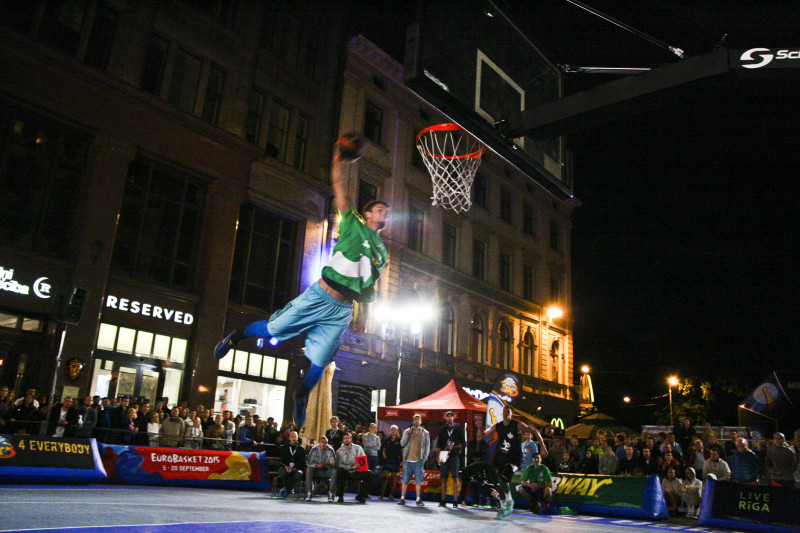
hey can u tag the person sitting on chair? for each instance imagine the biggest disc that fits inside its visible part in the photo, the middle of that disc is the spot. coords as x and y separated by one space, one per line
321 466
293 458
347 469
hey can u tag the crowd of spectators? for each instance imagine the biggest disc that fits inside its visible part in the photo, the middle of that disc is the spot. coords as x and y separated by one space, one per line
683 458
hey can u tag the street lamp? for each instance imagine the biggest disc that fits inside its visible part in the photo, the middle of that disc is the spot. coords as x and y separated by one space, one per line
410 315
672 381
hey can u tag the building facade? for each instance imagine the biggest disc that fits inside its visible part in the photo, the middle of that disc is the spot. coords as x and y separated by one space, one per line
172 158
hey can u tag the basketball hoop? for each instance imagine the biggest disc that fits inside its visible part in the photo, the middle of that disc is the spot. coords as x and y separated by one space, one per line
452 156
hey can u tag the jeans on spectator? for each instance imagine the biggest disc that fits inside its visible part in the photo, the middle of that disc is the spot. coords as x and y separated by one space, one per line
289 478
343 476
320 474
372 462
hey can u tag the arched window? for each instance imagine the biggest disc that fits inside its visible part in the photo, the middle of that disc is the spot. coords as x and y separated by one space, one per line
554 350
477 339
446 330
526 363
503 358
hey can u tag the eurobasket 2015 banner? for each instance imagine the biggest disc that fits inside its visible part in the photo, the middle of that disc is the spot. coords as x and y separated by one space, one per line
173 466
31 458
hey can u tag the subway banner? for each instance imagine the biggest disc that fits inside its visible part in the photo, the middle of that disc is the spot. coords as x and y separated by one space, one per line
623 496
750 507
35 459
141 465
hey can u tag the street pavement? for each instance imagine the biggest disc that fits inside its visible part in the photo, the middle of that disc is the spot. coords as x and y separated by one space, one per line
112 509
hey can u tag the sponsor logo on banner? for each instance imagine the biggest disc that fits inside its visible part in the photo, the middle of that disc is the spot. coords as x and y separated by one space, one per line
41 287
177 464
146 309
508 384
47 452
392 412
761 57
6 448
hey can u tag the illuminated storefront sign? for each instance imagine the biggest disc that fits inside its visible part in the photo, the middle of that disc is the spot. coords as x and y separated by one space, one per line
142 308
40 288
482 395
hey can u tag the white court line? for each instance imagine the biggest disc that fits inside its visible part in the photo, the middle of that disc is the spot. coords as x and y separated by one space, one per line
16 502
170 524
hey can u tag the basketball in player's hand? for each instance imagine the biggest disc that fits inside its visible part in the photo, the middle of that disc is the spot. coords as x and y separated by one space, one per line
350 146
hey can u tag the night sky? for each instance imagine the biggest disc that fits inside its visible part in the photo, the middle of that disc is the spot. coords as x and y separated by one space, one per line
685 249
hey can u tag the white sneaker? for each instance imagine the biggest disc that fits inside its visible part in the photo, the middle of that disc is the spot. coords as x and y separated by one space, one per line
420 503
308 497
330 497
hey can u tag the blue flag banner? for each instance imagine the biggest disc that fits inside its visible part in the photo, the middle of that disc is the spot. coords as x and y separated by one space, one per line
494 414
769 398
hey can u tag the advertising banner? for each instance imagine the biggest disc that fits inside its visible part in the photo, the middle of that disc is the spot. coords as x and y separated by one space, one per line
753 507
623 496
141 465
31 458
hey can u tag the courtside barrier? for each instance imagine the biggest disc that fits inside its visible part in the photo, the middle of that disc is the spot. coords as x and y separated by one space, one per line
621 496
35 459
750 507
143 465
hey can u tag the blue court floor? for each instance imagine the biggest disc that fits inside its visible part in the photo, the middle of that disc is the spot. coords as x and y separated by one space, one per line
114 509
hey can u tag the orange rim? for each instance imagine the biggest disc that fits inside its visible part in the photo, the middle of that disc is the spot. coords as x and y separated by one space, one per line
449 126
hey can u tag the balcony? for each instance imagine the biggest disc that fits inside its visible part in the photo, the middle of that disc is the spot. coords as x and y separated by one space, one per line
369 345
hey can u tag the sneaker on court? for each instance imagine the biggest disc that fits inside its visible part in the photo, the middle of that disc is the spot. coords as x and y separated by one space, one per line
300 409
442 504
308 497
420 503
340 500
283 493
225 345
401 501
330 497
455 505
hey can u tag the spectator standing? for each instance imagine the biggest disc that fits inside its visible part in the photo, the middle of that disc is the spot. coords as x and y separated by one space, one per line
26 416
247 435
193 437
730 447
745 465
293 460
630 463
19 401
153 428
372 446
648 463
118 415
214 438
321 466
684 433
391 457
62 420
781 461
128 428
347 469
529 447
416 444
103 420
595 447
450 440
716 466
608 464
677 452
334 434
6 405
697 456
87 419
172 430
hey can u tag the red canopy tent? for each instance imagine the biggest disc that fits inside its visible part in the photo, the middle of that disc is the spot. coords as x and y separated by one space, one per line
451 397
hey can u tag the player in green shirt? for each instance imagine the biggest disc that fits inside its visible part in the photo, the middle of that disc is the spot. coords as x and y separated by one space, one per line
325 309
537 484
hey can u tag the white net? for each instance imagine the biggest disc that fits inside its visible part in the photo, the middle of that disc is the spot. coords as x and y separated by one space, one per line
452 156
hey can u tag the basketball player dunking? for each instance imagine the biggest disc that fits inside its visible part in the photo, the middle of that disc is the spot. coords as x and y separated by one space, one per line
325 309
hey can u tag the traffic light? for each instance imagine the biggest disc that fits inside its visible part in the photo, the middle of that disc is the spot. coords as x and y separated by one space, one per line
69 303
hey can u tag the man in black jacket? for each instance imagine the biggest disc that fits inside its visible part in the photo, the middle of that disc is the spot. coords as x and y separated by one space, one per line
293 458
62 419
451 439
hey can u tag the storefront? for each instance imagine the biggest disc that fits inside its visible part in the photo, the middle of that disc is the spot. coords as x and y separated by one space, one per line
142 344
26 330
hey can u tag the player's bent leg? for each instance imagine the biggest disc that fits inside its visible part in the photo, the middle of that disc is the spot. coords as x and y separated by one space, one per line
225 345
313 376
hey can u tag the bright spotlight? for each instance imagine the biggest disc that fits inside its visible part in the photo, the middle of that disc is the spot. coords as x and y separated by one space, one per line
273 341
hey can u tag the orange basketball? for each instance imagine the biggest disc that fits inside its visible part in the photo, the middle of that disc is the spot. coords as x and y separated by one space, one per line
350 146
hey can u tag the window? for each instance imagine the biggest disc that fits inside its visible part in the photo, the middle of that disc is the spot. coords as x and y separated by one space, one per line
505 272
278 132
416 219
478 261
479 190
527 219
255 364
141 343
159 224
255 108
101 37
527 282
503 347
42 163
505 205
477 340
185 81
526 363
448 245
264 259
555 290
367 193
213 98
300 143
554 353
61 24
373 123
554 239
446 330
155 61
13 321
378 400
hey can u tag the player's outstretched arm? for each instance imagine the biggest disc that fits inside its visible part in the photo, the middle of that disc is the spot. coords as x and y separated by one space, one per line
341 201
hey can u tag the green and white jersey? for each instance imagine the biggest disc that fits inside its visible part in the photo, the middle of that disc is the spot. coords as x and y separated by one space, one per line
539 476
357 257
